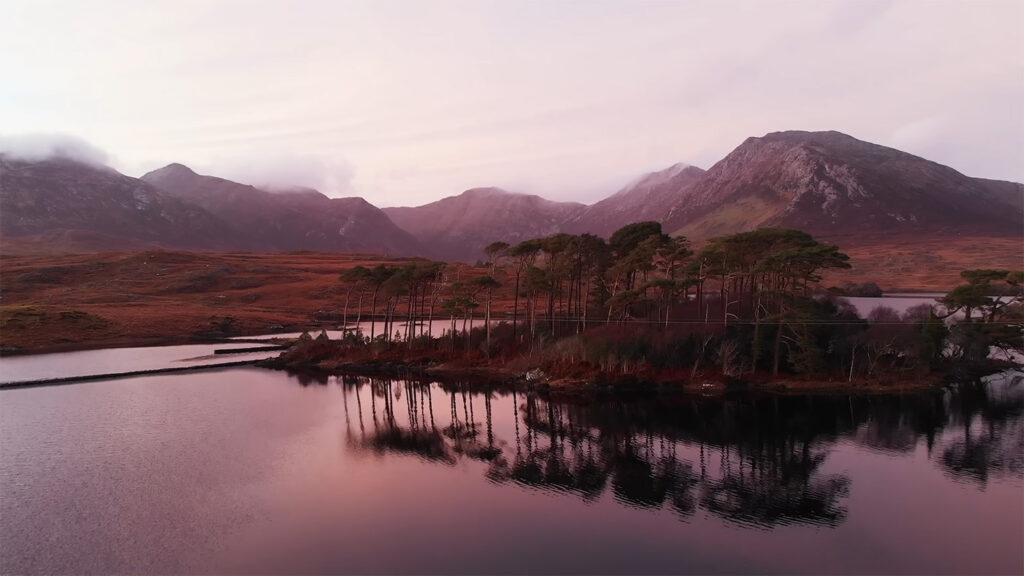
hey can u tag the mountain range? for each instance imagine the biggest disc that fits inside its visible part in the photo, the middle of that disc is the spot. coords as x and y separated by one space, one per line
830 184
261 221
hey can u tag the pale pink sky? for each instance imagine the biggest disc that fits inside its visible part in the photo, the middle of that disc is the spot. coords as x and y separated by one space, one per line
406 102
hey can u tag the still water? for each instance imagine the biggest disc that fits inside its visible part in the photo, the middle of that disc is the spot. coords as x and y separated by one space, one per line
249 470
435 328
106 361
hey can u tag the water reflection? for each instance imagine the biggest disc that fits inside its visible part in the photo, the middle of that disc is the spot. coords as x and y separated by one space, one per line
987 436
750 460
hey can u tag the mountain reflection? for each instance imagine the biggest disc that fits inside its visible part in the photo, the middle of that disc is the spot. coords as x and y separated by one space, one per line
752 460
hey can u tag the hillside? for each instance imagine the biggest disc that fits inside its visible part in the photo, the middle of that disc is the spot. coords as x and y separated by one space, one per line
830 184
840 188
262 221
81 206
458 228
649 198
63 205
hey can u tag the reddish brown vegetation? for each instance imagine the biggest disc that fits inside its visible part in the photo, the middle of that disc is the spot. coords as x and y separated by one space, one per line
930 263
125 298
94 300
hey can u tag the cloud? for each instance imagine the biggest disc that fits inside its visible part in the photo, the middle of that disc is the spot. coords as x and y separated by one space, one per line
428 100
36 147
278 171
921 133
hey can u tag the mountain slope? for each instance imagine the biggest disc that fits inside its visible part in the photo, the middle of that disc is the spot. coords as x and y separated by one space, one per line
649 198
299 220
459 227
835 186
98 208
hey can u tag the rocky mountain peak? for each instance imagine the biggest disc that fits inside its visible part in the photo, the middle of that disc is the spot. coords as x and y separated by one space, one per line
830 183
176 168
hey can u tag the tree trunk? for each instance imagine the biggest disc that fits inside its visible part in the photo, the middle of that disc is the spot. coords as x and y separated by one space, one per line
515 308
757 337
778 347
487 321
344 314
359 308
586 298
453 331
373 315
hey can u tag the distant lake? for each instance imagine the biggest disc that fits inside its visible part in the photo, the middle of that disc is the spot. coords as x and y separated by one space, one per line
440 325
898 302
250 470
436 328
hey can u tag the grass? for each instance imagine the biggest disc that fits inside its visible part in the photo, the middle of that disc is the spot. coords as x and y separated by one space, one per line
101 299
113 298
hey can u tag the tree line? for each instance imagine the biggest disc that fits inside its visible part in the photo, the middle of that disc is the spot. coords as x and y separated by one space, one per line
742 303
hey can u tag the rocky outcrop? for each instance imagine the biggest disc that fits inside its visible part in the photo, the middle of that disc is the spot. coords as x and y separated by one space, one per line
834 186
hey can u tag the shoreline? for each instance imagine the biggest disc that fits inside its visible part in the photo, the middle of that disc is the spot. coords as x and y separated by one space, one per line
603 386
579 389
63 380
145 342
595 384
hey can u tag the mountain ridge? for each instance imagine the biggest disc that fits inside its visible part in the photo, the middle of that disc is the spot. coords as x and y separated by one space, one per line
288 221
643 199
459 227
829 184
63 196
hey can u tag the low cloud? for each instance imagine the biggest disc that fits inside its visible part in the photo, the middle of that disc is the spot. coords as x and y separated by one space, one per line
284 172
36 147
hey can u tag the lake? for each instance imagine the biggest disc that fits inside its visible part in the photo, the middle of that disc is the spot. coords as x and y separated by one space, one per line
34 367
248 470
435 328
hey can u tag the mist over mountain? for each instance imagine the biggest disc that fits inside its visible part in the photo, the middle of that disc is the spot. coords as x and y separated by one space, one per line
648 198
299 219
38 147
86 206
829 184
77 206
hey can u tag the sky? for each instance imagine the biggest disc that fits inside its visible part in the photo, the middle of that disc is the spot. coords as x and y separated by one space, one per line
405 102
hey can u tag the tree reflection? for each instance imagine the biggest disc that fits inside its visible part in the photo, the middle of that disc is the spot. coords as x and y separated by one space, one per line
779 487
989 436
415 433
749 459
